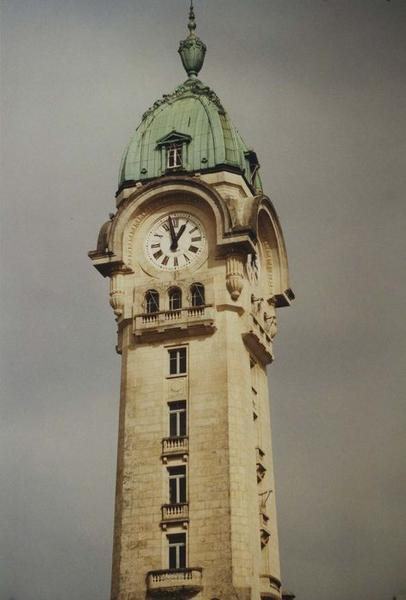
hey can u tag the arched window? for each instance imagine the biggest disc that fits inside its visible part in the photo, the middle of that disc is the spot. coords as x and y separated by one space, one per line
175 298
151 301
197 290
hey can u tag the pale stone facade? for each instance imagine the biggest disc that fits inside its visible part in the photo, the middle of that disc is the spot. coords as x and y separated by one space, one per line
217 539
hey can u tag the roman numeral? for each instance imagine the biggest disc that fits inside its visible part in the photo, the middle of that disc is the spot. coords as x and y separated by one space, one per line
194 229
196 239
175 221
155 245
193 249
157 254
157 235
187 259
165 260
175 261
165 226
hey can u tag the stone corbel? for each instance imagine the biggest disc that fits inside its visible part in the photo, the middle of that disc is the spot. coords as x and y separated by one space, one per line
235 274
117 293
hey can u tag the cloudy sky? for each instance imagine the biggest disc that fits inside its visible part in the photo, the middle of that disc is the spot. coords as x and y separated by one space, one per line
318 88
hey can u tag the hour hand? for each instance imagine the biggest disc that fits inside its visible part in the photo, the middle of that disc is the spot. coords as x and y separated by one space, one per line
181 230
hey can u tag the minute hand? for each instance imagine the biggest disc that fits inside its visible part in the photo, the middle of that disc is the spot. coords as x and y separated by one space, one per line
174 243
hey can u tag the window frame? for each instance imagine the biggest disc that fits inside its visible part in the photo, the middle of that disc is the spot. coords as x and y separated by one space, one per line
177 485
175 297
179 359
177 542
178 410
174 155
151 298
196 290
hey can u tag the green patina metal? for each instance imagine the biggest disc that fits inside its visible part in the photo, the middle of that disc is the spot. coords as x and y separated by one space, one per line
192 116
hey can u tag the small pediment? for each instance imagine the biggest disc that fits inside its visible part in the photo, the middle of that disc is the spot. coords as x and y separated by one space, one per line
174 137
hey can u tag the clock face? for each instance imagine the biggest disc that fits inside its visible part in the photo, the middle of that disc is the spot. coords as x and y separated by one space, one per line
175 241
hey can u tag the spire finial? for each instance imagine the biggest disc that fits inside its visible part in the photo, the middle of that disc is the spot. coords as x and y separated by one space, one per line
192 49
192 19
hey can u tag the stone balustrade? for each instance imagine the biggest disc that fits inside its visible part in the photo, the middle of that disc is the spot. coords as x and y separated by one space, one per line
175 512
175 445
167 581
270 587
197 316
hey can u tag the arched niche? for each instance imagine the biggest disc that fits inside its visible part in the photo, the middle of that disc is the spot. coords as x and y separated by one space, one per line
274 257
141 205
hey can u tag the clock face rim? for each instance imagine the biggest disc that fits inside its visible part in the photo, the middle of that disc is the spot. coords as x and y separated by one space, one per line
194 260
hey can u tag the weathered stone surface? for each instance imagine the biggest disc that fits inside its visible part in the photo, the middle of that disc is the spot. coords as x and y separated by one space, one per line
230 518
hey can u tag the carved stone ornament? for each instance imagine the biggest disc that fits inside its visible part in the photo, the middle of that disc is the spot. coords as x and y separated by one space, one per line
235 275
271 326
117 293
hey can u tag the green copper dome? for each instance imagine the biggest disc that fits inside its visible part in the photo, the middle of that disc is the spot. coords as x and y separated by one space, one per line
187 131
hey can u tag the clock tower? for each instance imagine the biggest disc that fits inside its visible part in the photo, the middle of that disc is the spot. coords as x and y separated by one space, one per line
197 268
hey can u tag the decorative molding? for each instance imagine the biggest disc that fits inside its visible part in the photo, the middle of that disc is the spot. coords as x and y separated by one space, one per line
235 274
267 250
131 232
117 293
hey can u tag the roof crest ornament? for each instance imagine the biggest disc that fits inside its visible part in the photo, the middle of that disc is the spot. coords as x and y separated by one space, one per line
191 87
192 50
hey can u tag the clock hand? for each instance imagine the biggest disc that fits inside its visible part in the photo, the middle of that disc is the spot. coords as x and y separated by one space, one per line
174 243
181 230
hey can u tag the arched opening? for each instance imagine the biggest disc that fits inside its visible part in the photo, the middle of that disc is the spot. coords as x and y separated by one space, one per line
198 296
175 298
151 302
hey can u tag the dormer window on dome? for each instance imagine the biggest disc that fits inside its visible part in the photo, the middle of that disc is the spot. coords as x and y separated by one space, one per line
173 148
174 156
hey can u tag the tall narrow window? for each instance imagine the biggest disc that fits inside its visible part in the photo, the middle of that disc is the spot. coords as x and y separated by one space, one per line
197 290
177 550
174 156
177 485
175 298
177 361
152 301
177 419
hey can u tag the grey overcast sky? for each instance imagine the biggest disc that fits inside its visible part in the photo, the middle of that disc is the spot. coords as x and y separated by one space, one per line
318 88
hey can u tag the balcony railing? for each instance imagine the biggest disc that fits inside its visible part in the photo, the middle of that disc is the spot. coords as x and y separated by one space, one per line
175 445
165 319
175 512
173 581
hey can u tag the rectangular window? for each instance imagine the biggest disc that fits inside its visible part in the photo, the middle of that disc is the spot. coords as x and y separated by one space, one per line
177 550
177 361
174 156
177 485
177 419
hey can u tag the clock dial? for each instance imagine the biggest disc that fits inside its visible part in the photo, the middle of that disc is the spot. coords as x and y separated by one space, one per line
175 241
